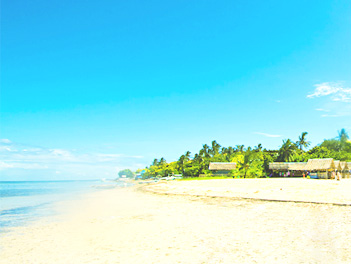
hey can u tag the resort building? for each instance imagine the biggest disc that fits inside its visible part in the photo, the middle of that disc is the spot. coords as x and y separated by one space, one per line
221 168
319 168
323 168
295 168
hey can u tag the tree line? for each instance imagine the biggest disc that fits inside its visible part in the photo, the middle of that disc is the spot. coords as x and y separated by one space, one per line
251 162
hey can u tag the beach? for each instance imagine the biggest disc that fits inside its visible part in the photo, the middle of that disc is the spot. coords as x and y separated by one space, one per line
212 221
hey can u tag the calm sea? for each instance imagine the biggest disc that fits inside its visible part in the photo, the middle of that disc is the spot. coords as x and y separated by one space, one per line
24 201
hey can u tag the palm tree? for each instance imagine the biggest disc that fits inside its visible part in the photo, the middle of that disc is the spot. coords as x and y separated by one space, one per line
205 151
249 157
205 148
239 148
229 151
343 136
286 151
162 161
302 143
259 147
181 163
215 148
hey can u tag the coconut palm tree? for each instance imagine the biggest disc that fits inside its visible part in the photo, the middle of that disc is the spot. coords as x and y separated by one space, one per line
215 148
181 163
343 136
286 151
205 148
302 142
239 148
258 147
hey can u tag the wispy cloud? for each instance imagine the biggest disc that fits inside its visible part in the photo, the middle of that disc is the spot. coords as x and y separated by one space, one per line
331 115
336 91
336 99
70 163
267 135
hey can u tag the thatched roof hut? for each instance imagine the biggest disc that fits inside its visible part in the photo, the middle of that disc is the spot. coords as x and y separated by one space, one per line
279 166
288 166
222 166
297 166
320 165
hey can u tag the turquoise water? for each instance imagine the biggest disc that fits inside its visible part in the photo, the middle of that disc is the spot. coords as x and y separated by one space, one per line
24 201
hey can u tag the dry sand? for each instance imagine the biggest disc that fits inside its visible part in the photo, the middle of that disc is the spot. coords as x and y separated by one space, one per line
134 226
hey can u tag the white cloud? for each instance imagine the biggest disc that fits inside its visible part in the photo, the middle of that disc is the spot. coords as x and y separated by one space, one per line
5 140
336 91
337 99
331 115
267 135
63 162
4 165
7 149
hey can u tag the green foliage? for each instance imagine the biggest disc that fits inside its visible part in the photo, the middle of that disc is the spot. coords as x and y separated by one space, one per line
268 157
251 162
287 151
332 144
128 173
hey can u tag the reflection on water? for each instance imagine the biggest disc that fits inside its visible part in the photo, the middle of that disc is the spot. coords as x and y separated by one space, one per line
25 201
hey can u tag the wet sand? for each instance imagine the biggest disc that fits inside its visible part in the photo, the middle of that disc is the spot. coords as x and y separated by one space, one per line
135 225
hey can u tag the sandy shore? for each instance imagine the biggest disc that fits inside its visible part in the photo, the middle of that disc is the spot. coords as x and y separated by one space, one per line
276 189
133 226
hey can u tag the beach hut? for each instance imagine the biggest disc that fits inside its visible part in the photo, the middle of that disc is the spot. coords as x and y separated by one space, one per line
323 167
221 168
296 168
279 166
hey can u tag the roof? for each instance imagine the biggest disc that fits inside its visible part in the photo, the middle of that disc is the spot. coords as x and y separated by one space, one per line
222 166
295 166
320 164
279 165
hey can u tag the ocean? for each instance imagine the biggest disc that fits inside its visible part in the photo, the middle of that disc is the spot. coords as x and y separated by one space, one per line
22 202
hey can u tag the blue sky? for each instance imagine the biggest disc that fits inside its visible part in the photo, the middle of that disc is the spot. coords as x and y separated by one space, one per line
90 88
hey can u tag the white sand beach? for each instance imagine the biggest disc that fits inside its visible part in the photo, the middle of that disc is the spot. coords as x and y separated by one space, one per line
138 226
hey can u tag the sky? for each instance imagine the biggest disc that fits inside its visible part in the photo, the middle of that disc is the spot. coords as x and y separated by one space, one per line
89 88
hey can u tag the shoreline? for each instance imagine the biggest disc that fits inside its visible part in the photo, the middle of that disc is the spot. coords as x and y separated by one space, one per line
131 225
